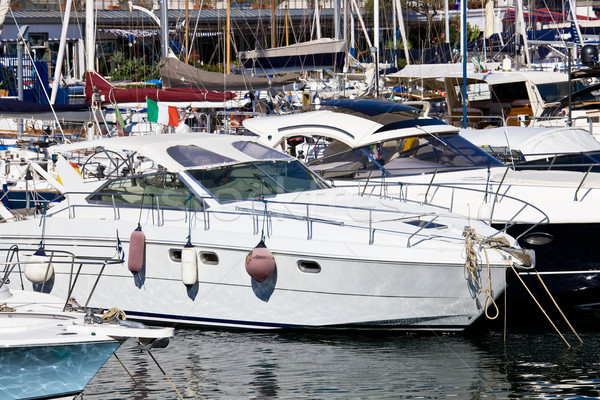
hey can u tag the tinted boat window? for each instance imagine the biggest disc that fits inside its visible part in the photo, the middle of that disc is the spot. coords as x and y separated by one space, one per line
166 190
260 152
257 179
404 156
194 156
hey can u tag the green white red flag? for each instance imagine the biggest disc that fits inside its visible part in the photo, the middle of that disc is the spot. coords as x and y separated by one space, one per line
162 113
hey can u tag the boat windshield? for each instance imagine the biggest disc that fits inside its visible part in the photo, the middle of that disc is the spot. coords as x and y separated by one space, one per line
403 156
255 180
164 190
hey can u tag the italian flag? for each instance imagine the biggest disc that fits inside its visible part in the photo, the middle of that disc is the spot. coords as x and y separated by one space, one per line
162 113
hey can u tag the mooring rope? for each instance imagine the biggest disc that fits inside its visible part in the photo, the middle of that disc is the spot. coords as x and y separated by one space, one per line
473 262
5 308
113 313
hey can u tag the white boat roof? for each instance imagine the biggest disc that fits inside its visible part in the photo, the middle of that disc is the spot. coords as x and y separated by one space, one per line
492 77
178 152
350 128
534 143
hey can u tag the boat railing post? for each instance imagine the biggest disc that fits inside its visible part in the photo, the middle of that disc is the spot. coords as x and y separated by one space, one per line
371 230
308 225
71 213
582 181
158 223
254 220
95 284
500 185
205 214
429 186
10 266
115 213
72 285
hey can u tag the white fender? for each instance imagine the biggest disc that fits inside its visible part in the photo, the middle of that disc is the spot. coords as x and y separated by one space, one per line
39 269
189 265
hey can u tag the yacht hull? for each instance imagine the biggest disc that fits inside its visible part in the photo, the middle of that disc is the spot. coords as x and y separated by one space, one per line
318 283
51 371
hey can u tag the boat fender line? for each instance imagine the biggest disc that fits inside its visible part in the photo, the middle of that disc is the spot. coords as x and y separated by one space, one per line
189 265
39 267
137 250
260 262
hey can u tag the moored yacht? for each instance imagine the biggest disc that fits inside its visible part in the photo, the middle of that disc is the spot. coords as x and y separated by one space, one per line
387 149
221 230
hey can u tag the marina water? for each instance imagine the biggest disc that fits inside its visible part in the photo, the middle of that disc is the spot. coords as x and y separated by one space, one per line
254 365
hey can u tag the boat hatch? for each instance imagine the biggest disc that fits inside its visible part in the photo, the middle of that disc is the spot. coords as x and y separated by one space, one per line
426 224
193 156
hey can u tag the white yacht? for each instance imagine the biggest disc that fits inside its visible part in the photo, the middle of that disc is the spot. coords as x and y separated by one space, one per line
193 212
387 149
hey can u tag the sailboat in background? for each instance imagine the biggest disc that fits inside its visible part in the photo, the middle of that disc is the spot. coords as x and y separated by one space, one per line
107 93
314 55
177 74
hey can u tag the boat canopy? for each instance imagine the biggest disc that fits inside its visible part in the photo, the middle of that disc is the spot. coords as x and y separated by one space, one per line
179 152
492 76
535 143
354 122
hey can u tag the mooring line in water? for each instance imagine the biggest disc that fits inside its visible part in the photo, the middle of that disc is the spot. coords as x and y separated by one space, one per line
125 368
557 307
539 305
164 373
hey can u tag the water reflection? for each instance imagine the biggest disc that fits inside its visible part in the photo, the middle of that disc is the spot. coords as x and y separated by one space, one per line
213 364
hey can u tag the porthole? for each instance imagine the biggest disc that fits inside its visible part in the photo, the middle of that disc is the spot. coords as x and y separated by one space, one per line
538 238
209 258
175 255
310 267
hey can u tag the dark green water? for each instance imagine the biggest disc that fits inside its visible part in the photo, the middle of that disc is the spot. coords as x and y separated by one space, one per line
250 365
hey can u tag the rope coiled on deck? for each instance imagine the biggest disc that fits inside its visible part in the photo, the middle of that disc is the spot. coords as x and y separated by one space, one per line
113 314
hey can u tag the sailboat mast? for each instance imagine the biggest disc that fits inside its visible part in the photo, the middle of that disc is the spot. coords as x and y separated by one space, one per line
90 40
164 27
227 48
61 52
317 19
273 20
187 6
402 30
446 22
463 36
336 19
376 44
